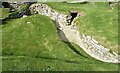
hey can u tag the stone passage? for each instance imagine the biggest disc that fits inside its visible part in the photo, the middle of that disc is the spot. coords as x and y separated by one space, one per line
71 32
71 17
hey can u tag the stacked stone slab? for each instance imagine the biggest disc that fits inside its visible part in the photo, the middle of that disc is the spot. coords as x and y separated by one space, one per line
47 11
101 52
88 44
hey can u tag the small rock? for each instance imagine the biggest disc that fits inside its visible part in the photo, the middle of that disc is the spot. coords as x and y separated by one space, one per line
88 37
60 29
24 16
83 35
28 22
115 53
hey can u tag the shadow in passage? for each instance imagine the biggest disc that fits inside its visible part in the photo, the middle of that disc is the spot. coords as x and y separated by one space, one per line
60 32
65 40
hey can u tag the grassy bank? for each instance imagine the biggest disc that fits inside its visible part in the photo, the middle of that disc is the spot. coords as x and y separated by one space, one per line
4 13
32 43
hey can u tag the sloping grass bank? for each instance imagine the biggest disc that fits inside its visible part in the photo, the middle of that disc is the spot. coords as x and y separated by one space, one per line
4 13
32 43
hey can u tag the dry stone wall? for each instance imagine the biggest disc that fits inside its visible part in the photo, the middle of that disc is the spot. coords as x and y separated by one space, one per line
88 44
99 51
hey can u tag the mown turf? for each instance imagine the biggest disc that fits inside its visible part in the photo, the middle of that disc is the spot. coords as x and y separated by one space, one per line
22 63
37 46
4 13
98 20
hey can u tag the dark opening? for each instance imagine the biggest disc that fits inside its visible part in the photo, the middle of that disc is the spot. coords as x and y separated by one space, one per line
5 4
73 14
85 2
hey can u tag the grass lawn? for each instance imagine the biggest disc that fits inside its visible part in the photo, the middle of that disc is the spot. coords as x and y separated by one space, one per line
99 21
32 43
4 13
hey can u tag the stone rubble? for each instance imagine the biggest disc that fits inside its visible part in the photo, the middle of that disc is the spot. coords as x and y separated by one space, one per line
87 43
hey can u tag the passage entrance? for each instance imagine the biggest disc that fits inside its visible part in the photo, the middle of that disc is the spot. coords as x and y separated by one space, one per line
73 14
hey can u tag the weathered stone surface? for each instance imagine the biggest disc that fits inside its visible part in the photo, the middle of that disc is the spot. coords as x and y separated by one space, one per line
94 41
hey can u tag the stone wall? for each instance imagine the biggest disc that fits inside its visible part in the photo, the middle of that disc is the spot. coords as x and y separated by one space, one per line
98 50
47 11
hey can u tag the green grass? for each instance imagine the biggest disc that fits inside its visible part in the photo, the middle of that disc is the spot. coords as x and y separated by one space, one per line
22 63
4 13
101 24
37 46
99 21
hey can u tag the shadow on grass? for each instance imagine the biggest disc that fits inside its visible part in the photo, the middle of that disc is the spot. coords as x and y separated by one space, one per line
74 49
67 61
4 21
